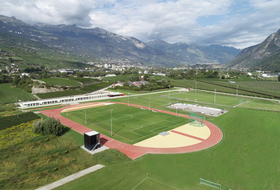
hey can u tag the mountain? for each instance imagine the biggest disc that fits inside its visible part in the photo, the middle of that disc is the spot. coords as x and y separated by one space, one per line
94 43
197 54
104 45
28 53
265 56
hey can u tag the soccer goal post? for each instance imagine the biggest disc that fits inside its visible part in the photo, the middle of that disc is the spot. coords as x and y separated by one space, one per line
210 183
196 120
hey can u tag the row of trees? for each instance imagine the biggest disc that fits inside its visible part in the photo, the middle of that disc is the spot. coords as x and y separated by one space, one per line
193 74
152 85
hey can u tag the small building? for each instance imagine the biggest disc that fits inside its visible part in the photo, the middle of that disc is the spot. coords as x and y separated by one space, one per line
25 74
92 140
110 75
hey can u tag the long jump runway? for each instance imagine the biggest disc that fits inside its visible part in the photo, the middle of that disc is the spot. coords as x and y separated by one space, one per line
183 139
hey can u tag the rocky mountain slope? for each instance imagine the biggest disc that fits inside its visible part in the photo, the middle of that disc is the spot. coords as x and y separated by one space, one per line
197 54
263 56
104 45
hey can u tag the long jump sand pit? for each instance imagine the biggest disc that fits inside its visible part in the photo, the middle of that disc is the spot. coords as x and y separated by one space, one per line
185 135
87 105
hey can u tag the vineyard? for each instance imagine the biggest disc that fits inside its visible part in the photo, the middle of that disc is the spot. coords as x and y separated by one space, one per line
264 89
61 81
267 89
84 90
9 94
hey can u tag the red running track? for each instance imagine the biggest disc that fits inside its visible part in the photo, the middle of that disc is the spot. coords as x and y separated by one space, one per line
133 151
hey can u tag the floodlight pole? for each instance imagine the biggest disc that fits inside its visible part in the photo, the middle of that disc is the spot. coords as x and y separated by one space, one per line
17 106
128 99
195 87
176 111
66 111
149 100
236 91
169 91
215 97
85 115
111 121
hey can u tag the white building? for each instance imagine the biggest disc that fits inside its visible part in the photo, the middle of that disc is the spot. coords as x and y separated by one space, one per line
25 74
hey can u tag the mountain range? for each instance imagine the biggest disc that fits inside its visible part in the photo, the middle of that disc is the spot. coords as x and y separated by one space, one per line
263 56
104 45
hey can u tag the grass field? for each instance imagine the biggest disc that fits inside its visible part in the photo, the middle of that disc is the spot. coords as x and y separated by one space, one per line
247 158
130 124
262 104
209 98
61 81
9 94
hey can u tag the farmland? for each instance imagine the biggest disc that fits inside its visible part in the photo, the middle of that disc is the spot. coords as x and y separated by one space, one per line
250 88
60 81
84 90
9 94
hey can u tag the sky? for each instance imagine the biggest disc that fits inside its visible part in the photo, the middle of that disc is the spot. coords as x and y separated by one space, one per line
236 23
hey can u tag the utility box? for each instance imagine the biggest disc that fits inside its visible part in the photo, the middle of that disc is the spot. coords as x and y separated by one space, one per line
92 140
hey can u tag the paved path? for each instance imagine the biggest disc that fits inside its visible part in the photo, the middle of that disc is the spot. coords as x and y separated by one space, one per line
71 177
133 151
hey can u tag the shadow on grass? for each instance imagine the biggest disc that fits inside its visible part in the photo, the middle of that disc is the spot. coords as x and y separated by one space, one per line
64 130
118 130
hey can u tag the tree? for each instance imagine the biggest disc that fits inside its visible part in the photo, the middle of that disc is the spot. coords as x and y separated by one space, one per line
126 84
179 76
50 126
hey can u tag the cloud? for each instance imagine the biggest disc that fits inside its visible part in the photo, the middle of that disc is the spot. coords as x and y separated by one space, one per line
238 23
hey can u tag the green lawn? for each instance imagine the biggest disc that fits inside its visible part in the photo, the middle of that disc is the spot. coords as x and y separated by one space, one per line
246 158
28 163
9 94
61 81
209 98
262 104
130 124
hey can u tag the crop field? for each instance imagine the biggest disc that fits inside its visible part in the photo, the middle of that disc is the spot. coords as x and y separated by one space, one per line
249 88
83 80
130 124
84 90
9 94
208 98
263 88
61 81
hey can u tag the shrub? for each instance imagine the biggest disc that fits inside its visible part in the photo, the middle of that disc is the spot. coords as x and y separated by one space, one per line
49 126
38 126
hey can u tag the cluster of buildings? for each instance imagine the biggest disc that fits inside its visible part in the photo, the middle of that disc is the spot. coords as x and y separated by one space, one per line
117 66
135 83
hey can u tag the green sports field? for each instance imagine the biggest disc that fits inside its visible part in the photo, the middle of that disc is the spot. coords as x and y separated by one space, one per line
130 124
208 97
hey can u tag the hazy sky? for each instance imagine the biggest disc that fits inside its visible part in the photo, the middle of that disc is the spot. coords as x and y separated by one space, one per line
238 23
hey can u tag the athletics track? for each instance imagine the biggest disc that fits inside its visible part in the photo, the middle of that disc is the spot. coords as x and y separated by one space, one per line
133 151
